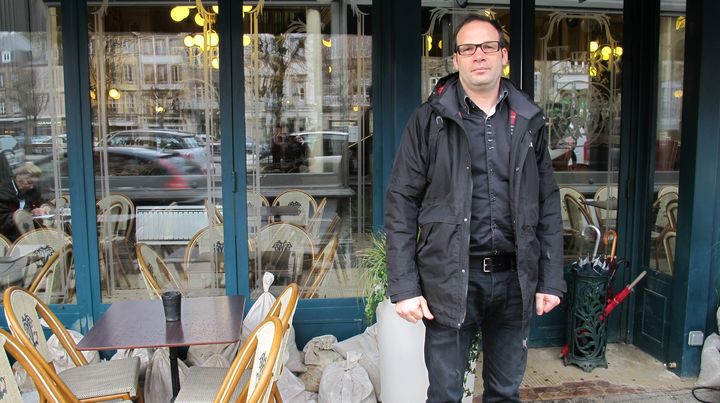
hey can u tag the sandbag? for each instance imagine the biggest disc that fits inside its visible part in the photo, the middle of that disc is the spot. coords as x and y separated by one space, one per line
143 353
60 358
366 344
260 308
346 382
709 376
158 386
318 354
214 355
292 388
293 360
22 378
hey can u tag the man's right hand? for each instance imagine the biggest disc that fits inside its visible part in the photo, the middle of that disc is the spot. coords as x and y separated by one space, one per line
413 309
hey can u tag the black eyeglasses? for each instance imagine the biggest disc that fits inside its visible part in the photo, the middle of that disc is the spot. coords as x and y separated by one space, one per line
469 49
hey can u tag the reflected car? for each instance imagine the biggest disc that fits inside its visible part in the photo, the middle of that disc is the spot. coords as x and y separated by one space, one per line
314 161
12 150
146 176
44 144
168 141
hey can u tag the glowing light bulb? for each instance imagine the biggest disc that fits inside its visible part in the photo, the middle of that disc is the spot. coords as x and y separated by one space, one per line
594 46
188 41
678 93
440 44
199 40
215 63
114 94
199 19
216 9
329 69
92 95
428 39
593 71
606 52
355 108
179 13
327 43
247 40
618 51
246 9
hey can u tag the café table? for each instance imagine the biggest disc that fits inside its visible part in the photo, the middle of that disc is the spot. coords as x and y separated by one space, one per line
141 324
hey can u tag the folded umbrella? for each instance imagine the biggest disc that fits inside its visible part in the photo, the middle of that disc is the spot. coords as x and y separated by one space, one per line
620 296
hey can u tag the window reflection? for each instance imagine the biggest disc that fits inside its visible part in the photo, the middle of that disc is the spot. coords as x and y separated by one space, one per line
154 92
308 145
663 211
35 242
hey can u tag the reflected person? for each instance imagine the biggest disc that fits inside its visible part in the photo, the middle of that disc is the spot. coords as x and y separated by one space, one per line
473 222
20 192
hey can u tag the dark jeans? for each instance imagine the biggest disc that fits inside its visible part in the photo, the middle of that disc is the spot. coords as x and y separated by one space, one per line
494 304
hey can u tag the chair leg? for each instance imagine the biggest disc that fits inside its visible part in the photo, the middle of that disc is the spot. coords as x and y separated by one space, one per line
139 398
275 393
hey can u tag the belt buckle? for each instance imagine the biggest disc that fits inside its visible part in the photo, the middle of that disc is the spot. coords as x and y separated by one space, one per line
487 262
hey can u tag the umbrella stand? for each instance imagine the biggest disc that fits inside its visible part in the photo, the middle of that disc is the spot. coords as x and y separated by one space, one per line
586 328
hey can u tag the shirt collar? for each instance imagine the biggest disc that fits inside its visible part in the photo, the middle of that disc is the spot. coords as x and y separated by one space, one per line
466 103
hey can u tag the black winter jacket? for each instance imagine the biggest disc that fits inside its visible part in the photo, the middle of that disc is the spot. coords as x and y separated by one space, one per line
430 190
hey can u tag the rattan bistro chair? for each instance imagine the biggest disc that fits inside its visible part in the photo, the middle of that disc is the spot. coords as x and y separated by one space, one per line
47 390
283 309
155 272
252 367
106 380
54 283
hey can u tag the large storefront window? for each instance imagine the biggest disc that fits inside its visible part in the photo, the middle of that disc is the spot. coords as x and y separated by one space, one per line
154 97
35 232
577 83
308 83
668 139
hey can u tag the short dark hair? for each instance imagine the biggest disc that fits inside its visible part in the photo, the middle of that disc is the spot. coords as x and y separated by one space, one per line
480 17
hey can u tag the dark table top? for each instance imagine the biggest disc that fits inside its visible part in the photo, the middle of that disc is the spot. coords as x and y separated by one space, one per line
138 324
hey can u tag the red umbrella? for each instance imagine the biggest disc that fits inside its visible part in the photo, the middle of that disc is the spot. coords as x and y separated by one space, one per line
619 297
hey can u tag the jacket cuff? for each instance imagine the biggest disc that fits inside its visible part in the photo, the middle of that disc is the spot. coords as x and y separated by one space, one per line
395 298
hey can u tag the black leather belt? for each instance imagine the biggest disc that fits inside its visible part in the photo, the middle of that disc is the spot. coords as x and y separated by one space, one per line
493 264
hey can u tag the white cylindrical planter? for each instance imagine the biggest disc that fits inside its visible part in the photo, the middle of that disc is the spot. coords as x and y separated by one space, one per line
403 377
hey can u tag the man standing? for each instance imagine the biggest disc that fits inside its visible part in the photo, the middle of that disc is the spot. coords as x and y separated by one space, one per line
473 220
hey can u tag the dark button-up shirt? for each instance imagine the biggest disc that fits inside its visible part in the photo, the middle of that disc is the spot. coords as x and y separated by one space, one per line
491 231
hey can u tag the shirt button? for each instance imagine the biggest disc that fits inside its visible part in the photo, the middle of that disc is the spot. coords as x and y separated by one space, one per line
467 167
465 219
517 169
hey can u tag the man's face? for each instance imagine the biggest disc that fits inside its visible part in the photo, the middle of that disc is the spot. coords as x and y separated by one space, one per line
479 71
26 182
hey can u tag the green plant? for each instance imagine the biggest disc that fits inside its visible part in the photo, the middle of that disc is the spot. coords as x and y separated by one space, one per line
373 263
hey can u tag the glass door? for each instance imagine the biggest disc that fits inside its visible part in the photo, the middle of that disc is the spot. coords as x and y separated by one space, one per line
308 80
35 230
155 120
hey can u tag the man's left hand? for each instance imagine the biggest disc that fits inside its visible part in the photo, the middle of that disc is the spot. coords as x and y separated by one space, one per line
545 303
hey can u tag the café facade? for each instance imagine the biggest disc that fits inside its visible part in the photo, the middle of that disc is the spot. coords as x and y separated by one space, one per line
223 140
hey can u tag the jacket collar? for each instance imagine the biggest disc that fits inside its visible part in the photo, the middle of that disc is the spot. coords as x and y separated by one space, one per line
444 98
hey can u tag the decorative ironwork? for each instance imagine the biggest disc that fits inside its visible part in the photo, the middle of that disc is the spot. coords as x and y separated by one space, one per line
586 327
